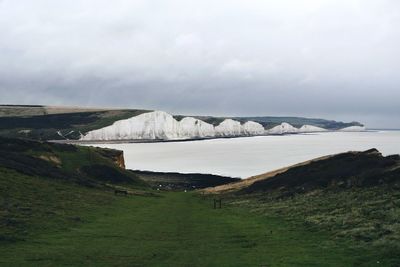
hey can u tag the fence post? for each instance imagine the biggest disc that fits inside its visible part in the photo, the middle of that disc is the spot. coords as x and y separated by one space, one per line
217 203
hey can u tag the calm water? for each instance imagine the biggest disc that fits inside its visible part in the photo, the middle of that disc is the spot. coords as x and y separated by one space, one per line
247 156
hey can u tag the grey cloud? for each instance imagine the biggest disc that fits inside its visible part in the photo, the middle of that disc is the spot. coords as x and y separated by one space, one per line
333 59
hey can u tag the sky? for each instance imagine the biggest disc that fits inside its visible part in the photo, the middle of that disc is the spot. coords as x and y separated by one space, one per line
336 59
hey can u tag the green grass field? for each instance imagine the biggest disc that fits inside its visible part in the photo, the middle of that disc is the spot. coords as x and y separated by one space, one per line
179 229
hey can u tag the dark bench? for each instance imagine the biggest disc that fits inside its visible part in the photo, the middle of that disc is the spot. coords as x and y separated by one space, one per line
121 192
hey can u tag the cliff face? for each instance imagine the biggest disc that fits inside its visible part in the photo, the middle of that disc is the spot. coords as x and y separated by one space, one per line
159 125
253 128
228 127
353 129
311 129
119 159
283 128
194 128
117 156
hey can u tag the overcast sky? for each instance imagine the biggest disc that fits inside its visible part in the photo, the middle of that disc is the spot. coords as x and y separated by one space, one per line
332 59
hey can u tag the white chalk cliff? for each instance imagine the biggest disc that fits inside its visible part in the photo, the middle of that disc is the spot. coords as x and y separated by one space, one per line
163 126
152 125
159 125
228 128
353 129
193 128
252 128
283 128
310 129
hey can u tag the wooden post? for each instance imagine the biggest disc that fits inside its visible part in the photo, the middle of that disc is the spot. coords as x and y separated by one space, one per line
217 203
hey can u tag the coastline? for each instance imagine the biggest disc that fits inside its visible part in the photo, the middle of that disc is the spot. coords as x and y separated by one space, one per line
128 141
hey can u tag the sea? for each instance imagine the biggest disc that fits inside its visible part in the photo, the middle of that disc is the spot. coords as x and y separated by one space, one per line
247 156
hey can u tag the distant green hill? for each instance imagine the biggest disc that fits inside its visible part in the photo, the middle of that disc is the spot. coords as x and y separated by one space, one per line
269 121
299 121
41 123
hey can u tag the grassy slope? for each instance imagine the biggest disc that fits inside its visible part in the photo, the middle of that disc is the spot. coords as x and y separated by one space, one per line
30 205
367 215
180 229
352 195
43 185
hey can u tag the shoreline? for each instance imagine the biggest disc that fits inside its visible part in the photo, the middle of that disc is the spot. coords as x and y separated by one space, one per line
128 141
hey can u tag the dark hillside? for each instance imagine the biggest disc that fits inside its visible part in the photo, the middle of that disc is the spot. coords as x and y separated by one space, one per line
66 162
346 170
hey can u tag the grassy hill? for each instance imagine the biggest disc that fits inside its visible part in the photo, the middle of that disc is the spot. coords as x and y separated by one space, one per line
352 195
60 123
45 185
